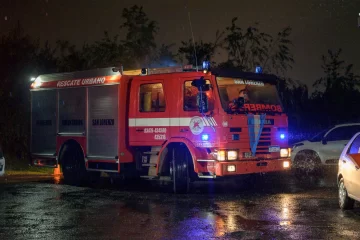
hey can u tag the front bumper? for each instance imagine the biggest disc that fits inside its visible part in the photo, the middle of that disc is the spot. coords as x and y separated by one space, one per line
212 169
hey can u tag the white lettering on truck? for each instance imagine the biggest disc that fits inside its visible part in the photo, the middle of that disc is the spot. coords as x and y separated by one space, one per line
81 82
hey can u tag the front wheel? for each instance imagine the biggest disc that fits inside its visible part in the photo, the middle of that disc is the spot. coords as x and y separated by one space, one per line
344 201
307 163
180 169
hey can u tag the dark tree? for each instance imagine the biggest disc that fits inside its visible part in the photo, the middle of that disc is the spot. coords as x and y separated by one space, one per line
337 90
205 51
250 47
140 46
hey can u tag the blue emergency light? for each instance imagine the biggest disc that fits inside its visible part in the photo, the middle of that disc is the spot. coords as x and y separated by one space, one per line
205 137
258 69
282 136
206 65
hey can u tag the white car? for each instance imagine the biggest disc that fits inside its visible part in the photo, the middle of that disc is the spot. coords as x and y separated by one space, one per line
349 173
2 163
323 149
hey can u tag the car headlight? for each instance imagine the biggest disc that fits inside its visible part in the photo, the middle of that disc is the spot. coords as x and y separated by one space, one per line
285 152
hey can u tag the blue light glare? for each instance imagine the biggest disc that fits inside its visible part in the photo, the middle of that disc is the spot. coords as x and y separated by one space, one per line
282 136
205 137
258 69
206 65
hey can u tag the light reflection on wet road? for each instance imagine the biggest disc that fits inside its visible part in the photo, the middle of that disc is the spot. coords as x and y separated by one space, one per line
278 207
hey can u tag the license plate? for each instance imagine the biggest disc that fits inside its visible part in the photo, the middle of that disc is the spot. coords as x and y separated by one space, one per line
247 155
274 149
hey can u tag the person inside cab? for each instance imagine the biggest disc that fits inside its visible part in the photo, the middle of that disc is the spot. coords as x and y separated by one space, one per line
234 105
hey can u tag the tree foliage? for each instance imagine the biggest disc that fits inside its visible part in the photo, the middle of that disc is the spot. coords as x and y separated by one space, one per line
337 75
201 51
337 90
251 47
140 38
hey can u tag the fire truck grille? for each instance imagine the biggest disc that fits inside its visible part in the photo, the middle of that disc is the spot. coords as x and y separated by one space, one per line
264 141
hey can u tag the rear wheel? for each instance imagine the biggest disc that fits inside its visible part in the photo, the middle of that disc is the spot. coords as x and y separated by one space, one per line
344 201
180 169
73 165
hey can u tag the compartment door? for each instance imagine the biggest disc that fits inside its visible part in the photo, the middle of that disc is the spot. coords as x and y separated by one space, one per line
103 128
43 122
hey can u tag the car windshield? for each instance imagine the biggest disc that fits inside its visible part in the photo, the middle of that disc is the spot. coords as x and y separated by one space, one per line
319 136
258 96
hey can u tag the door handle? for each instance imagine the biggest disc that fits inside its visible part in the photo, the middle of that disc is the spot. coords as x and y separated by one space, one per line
139 130
184 130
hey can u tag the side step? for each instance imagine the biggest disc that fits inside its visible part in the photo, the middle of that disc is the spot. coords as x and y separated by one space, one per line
162 178
152 162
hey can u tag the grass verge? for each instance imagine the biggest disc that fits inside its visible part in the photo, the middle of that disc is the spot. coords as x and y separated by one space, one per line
15 166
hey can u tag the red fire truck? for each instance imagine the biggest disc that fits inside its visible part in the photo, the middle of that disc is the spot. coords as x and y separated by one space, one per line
178 124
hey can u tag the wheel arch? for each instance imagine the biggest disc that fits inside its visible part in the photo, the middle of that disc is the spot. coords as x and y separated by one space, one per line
194 152
69 142
308 151
339 177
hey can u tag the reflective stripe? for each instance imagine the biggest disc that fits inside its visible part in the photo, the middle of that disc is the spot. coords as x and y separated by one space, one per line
167 122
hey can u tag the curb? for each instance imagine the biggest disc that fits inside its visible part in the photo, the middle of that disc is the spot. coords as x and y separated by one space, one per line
22 177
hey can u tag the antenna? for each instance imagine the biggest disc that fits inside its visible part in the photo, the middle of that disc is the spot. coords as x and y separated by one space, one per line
193 39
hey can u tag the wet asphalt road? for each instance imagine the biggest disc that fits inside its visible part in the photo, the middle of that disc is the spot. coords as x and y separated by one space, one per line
277 207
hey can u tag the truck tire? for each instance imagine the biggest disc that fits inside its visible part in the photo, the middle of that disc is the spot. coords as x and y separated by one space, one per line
73 165
180 171
344 201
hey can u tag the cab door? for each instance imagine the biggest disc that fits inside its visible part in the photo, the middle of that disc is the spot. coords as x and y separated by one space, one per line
149 122
192 124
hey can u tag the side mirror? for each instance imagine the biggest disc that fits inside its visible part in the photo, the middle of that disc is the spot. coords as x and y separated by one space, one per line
200 84
202 102
324 141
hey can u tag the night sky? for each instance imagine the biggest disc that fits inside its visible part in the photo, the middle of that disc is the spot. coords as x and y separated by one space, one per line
317 24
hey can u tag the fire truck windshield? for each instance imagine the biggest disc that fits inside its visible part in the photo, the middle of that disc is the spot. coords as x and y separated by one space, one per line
258 96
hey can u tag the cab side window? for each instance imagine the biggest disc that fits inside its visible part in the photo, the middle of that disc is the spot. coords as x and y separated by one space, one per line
190 95
152 98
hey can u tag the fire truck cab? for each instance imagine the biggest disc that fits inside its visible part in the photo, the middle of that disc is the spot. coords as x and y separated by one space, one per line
178 124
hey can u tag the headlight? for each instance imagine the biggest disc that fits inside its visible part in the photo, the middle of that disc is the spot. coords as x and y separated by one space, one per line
223 155
232 155
286 164
285 152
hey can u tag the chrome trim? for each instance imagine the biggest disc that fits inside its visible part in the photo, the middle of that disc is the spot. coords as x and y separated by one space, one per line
71 134
44 155
205 160
101 157
211 177
101 170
